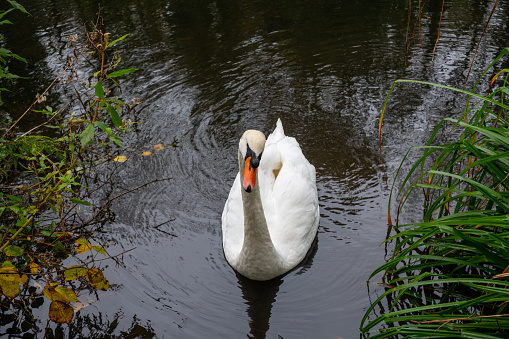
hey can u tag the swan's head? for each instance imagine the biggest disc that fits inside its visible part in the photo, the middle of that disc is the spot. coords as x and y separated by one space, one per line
251 147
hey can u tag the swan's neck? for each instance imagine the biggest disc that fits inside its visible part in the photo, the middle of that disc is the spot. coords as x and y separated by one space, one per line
258 253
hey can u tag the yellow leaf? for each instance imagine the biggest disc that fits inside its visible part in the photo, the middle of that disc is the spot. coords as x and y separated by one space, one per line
82 242
146 153
50 293
34 267
158 147
10 274
84 248
97 279
120 158
67 293
75 272
60 312
9 280
99 249
9 288
24 279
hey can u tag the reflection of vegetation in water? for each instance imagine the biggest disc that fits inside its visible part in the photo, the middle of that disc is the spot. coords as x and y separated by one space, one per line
44 203
96 326
448 275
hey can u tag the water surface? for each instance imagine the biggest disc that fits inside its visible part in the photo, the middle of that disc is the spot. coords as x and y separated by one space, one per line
210 70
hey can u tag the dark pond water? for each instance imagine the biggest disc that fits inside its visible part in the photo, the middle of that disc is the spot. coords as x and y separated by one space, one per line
208 71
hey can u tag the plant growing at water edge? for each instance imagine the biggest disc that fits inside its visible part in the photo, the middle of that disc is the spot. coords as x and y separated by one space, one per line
43 192
6 54
449 274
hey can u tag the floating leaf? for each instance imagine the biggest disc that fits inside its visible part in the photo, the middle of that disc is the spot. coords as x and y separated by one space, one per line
147 153
120 158
75 272
13 251
60 312
96 278
158 147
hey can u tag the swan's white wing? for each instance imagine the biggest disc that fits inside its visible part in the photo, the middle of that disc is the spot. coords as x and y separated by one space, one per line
290 199
233 222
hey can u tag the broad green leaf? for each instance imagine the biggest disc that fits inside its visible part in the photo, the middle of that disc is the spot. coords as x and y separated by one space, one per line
16 5
99 91
99 249
75 272
87 135
115 118
67 293
81 202
102 126
13 251
116 140
122 72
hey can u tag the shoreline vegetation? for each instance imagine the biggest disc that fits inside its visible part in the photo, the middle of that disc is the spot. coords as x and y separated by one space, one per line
46 213
448 275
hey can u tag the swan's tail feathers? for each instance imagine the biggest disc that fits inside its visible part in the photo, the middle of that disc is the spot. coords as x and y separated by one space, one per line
278 134
279 126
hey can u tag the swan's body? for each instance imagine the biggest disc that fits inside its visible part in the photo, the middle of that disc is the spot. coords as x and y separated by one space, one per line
271 216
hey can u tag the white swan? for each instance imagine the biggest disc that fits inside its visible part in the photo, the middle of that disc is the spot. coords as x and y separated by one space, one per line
271 216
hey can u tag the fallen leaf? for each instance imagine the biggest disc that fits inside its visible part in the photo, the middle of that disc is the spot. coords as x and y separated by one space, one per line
146 153
120 158
158 147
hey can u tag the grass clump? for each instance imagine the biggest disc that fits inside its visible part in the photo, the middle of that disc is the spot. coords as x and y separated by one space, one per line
448 276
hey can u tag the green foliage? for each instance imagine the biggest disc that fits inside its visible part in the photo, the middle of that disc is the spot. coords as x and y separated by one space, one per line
449 274
43 188
6 54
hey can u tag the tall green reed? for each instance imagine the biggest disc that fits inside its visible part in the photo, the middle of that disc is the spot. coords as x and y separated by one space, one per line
448 276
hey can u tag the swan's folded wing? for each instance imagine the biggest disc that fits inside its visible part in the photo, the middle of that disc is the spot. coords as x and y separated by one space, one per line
233 221
294 226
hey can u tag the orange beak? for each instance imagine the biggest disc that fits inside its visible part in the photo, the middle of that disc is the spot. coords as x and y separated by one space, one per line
249 180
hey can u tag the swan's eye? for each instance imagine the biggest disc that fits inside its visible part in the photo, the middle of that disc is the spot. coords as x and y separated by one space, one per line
254 159
255 162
